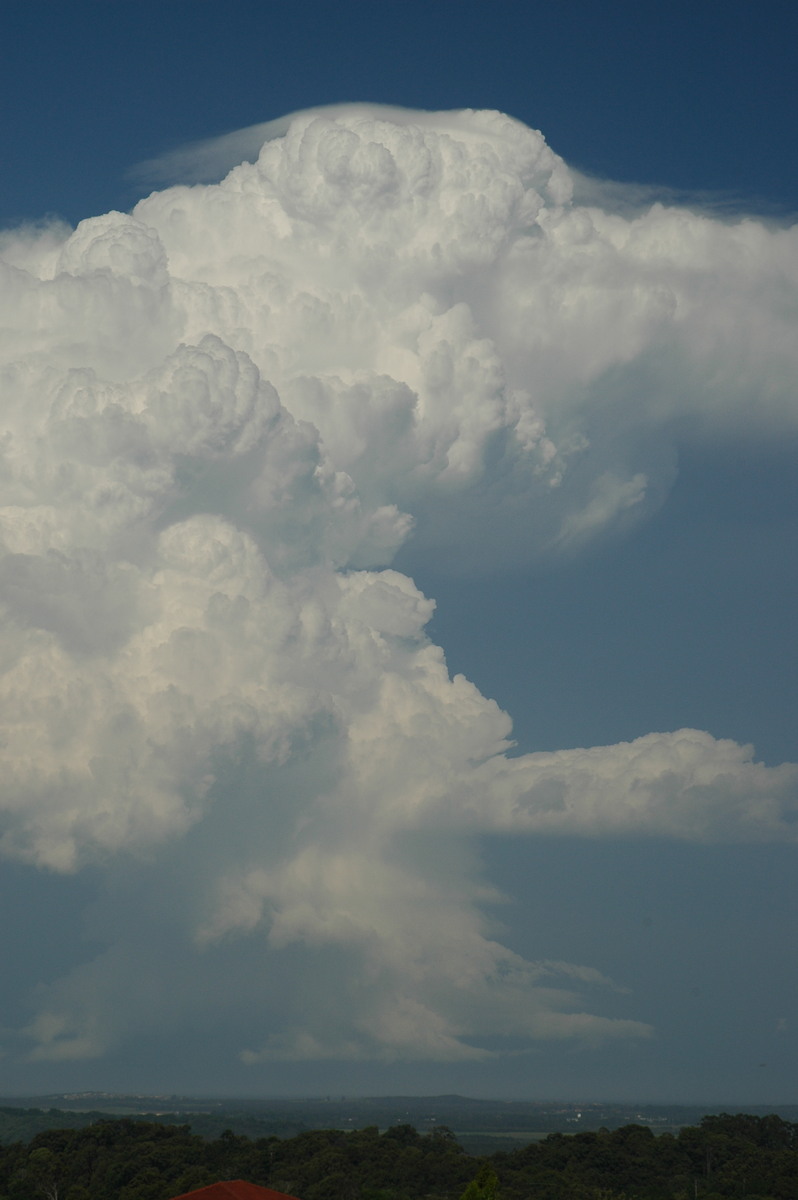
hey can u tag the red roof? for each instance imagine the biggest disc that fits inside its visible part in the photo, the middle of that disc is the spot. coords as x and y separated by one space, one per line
234 1189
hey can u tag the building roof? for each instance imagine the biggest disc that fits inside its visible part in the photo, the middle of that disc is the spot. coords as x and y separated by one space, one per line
234 1189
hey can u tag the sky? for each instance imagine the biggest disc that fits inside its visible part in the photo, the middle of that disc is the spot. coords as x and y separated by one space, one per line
398 578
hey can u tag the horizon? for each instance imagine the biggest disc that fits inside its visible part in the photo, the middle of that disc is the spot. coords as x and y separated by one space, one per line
449 1097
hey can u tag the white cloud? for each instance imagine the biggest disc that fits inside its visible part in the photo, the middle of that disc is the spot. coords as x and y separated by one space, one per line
224 415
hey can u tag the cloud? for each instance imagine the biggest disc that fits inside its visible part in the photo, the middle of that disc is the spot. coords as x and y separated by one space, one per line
225 415
685 785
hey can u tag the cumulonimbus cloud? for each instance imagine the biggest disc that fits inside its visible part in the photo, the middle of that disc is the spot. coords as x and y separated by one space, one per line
223 416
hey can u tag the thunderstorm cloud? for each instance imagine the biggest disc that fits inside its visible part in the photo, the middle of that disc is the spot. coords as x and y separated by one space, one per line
224 415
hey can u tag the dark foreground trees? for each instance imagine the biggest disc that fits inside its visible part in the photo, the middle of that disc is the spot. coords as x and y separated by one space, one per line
732 1157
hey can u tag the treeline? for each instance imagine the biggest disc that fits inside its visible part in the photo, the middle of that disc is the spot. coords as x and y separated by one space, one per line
724 1156
23 1124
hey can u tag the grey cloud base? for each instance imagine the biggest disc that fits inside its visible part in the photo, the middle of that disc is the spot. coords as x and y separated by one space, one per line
224 415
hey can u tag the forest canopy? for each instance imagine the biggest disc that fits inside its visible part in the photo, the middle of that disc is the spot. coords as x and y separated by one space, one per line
724 1156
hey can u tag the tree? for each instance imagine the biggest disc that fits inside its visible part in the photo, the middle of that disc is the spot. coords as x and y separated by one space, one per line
485 1185
42 1167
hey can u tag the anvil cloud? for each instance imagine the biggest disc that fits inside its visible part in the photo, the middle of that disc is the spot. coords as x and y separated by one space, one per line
224 415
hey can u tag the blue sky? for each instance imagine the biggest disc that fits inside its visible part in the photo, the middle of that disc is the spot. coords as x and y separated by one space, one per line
683 618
